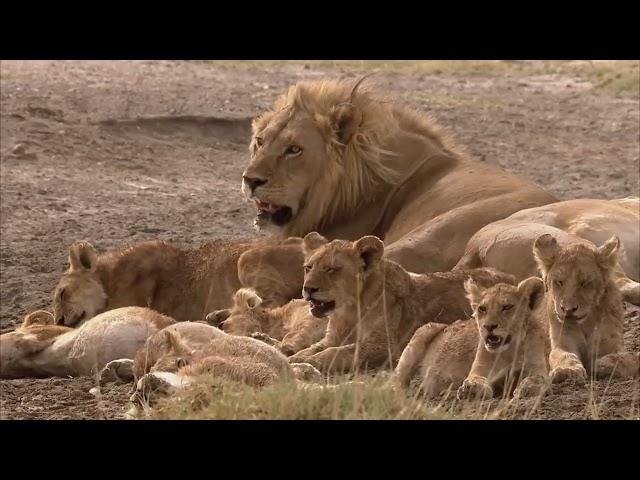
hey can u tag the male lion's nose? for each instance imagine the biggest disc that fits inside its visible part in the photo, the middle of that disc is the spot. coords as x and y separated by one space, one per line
490 328
253 183
568 309
309 290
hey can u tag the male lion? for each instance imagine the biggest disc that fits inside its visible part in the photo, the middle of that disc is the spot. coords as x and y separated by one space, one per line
508 244
184 283
584 310
507 341
290 328
38 348
373 304
333 157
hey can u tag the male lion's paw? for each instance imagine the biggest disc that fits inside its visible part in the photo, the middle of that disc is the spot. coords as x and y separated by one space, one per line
116 371
475 389
575 373
531 387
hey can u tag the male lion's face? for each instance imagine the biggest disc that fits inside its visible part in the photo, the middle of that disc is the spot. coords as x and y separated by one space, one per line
502 310
334 271
288 153
575 276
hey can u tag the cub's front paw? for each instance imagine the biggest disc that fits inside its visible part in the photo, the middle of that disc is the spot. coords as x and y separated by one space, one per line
576 373
116 371
474 389
531 387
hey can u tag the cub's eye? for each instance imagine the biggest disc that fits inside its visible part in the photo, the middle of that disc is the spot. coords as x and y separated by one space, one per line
259 141
62 294
507 307
293 150
332 269
307 268
482 309
558 283
585 283
181 362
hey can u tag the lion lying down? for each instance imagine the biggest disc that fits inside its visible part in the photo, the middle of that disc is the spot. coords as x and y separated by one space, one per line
38 348
184 283
374 306
290 328
575 329
507 245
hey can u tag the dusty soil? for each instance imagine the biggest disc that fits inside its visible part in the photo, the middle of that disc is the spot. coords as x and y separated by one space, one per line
123 151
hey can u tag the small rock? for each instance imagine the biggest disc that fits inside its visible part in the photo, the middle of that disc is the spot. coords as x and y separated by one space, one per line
306 66
19 149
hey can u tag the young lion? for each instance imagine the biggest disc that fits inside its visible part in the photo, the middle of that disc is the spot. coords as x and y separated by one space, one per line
38 348
184 283
374 305
584 310
175 356
506 341
289 328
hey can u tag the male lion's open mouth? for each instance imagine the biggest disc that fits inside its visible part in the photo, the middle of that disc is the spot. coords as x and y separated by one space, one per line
493 342
270 212
321 309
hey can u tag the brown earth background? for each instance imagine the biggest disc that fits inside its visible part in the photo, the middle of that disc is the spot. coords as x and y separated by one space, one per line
122 151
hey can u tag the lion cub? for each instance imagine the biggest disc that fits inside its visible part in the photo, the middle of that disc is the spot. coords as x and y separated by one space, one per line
584 310
38 348
373 304
506 341
289 328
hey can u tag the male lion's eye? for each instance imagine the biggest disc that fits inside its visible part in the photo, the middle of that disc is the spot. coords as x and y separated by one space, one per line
259 141
62 294
293 150
307 268
507 307
482 309
558 283
332 269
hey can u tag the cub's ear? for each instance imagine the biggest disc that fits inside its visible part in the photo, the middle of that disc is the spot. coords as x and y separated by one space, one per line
533 290
82 256
607 254
171 341
474 292
217 317
312 241
39 317
370 249
246 298
545 251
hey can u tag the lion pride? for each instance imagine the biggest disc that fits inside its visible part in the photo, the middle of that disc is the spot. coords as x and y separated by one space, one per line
336 158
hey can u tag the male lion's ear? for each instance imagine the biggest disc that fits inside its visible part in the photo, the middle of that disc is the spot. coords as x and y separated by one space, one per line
216 317
345 120
312 241
533 290
370 249
474 292
247 298
82 256
545 251
608 253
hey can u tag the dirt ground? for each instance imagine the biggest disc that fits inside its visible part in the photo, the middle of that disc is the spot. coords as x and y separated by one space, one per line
121 151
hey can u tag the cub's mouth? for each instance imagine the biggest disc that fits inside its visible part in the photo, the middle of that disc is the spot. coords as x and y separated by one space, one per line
71 319
493 342
321 309
270 212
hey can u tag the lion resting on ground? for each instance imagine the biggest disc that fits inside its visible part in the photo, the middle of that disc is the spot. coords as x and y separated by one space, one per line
38 348
184 283
506 341
373 304
290 328
332 157
507 245
584 310
174 357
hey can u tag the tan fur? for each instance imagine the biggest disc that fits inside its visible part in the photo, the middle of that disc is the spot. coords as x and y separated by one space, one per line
584 310
184 283
44 350
361 165
290 328
377 304
441 358
507 244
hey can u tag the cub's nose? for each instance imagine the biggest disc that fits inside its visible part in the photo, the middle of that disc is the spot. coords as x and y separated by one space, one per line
490 328
252 182
568 310
60 320
308 291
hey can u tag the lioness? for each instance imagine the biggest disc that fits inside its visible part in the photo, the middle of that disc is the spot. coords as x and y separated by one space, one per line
373 304
508 244
584 310
333 157
38 348
290 328
174 357
480 358
184 283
